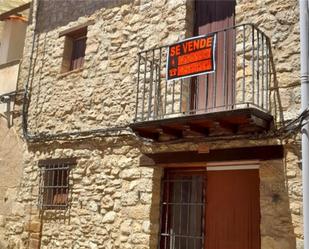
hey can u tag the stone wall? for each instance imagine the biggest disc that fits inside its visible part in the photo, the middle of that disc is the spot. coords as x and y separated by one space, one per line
280 22
122 29
114 202
102 93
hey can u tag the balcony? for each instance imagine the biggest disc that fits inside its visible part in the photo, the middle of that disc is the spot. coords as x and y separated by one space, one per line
233 100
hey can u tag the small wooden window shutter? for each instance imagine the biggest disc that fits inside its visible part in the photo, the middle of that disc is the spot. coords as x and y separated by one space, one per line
78 53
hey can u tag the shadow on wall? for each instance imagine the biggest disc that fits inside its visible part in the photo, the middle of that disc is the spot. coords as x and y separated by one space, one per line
293 181
39 106
10 167
277 228
275 100
59 13
11 172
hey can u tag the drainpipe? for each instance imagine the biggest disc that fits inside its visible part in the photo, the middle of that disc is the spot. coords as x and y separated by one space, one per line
304 63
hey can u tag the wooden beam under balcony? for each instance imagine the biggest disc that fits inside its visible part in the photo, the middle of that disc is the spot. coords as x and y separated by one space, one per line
193 130
215 124
222 127
195 158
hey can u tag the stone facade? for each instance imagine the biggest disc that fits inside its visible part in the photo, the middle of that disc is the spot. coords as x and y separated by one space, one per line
114 202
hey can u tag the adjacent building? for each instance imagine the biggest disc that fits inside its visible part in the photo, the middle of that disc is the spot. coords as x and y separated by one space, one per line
13 24
124 143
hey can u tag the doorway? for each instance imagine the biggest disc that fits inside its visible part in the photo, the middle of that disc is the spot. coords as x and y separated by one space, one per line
217 208
215 91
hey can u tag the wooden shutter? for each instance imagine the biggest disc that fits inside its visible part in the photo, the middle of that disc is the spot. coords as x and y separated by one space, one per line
78 53
216 90
233 209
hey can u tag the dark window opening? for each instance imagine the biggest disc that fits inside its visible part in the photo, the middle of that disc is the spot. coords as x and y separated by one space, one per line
78 53
216 91
183 210
74 50
54 185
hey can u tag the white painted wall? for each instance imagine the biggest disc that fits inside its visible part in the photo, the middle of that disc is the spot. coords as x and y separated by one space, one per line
12 40
8 80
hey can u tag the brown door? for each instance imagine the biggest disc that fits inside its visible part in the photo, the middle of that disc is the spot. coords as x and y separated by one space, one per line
210 209
233 210
215 90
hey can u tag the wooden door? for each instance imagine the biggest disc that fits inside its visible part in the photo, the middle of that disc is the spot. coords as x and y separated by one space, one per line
216 90
210 209
232 209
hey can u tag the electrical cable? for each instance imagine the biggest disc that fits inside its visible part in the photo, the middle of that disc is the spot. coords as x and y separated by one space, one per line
47 137
287 129
294 125
25 106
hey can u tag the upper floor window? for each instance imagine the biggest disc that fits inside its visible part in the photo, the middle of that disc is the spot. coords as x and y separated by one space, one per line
78 52
74 49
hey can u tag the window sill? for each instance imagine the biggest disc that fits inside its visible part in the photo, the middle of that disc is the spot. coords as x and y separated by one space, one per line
9 64
72 72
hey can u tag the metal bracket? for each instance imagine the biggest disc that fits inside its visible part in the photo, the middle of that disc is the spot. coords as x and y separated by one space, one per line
7 99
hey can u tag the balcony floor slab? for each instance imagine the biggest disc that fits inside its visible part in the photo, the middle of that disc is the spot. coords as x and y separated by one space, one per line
214 124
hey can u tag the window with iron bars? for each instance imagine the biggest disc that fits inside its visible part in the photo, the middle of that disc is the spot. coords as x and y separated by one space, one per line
183 210
54 183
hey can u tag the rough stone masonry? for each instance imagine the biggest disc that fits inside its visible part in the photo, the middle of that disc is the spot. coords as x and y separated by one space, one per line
114 202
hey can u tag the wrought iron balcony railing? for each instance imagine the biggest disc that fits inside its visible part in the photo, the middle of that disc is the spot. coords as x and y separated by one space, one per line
241 80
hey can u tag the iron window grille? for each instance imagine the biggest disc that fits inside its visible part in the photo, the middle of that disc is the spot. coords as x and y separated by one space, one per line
183 210
54 184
